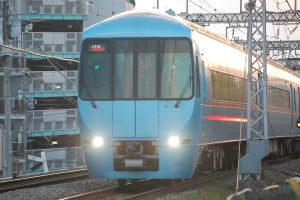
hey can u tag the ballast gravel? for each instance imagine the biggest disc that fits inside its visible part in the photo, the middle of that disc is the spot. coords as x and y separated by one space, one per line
58 191
213 190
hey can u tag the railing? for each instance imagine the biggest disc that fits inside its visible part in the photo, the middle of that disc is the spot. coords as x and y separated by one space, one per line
57 159
53 7
54 81
44 120
52 42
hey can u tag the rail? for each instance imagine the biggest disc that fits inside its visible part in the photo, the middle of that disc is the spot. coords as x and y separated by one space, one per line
42 179
148 189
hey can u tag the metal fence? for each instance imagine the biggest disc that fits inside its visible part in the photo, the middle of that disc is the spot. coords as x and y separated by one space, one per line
43 120
57 159
52 42
53 81
53 7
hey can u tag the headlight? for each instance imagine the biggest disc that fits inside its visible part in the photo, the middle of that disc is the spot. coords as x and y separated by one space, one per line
174 141
97 142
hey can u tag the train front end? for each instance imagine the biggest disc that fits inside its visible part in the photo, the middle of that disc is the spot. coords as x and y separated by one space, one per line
137 107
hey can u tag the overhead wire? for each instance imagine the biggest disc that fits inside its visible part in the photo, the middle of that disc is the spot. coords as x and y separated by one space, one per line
91 8
37 54
48 57
55 67
201 7
209 5
282 6
69 99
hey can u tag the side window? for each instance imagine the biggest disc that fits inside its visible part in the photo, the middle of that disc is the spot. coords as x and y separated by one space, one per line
221 82
279 98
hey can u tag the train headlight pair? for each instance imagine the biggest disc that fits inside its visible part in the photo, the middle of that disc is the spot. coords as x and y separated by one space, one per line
174 141
97 141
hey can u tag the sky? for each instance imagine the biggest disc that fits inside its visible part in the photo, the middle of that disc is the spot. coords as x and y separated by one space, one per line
286 32
180 5
275 32
213 5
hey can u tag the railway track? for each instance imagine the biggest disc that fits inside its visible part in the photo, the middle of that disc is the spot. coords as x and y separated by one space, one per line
286 172
42 179
153 189
290 172
148 189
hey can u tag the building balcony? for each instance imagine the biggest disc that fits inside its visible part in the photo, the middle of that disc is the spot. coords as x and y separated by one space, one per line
65 45
47 123
52 84
53 9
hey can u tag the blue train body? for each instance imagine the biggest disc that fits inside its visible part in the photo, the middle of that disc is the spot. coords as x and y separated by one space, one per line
151 96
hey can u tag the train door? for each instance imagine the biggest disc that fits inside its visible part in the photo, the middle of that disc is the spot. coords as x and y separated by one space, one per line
135 110
146 105
135 118
202 99
198 102
293 105
123 89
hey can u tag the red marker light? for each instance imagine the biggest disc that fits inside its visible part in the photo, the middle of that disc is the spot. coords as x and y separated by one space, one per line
97 49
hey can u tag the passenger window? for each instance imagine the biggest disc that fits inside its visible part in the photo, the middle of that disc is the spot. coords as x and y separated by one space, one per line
95 70
147 69
176 69
123 76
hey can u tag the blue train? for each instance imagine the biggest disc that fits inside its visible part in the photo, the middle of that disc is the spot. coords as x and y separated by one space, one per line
159 96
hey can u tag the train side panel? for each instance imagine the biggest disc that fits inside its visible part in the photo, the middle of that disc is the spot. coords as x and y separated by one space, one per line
223 116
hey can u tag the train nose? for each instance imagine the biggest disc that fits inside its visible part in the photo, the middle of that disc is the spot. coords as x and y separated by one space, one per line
135 118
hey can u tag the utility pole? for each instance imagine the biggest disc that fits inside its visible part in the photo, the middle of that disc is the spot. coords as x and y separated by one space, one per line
7 62
7 171
187 7
257 127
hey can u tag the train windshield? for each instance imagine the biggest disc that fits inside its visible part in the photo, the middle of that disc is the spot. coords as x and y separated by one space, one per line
136 69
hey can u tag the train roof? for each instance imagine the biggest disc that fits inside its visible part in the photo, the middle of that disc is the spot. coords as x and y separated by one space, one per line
186 27
153 12
139 23
215 36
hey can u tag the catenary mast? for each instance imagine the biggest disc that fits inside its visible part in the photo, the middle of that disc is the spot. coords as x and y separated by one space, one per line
257 126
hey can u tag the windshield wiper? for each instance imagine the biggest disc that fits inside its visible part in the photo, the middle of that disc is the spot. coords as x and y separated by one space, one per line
89 94
183 92
93 104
